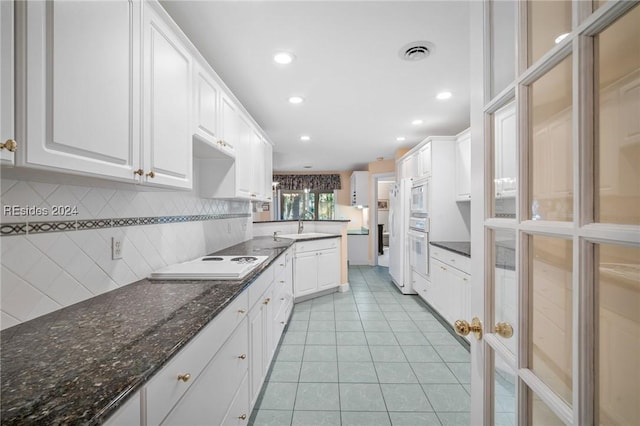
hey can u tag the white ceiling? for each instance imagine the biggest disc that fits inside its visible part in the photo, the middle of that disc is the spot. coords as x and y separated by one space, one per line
359 95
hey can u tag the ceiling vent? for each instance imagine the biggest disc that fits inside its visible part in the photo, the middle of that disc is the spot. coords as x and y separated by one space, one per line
416 51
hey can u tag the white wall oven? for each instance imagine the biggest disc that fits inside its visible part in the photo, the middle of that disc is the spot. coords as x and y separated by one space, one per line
420 198
419 245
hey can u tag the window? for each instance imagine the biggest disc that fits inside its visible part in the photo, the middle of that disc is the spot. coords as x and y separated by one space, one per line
310 205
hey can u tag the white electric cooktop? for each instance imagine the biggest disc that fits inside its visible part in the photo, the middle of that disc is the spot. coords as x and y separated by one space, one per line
210 268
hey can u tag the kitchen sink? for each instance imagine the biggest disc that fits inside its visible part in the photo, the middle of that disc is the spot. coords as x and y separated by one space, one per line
305 235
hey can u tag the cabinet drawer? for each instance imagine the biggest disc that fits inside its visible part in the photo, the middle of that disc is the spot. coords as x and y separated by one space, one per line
420 284
283 263
260 285
164 389
211 395
456 260
315 245
239 412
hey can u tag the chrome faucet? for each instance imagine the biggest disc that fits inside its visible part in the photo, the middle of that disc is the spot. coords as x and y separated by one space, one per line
275 235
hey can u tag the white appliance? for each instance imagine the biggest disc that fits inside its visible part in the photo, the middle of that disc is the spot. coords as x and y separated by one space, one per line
399 269
419 245
210 268
420 198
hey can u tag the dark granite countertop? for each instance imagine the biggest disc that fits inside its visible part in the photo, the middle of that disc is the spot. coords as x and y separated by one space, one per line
304 220
78 364
460 247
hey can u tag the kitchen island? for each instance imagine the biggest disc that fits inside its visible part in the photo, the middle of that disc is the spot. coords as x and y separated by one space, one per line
79 364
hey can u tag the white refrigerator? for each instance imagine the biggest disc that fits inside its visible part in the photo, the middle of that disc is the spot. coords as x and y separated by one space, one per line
399 202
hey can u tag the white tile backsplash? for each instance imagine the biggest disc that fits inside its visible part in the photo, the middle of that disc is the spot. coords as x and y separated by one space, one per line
45 272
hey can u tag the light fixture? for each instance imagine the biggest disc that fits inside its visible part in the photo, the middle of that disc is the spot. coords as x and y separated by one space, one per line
283 58
443 95
417 122
400 138
296 100
305 138
561 37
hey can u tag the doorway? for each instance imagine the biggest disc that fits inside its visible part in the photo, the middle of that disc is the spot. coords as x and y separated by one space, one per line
383 183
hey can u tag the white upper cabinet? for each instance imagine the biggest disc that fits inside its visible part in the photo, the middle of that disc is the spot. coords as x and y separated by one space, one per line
208 111
463 166
230 115
244 159
424 161
82 80
268 170
360 189
6 83
505 155
167 104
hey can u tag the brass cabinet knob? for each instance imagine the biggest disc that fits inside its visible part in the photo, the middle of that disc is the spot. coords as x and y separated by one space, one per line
243 417
463 328
253 195
504 329
241 311
267 300
184 377
243 356
281 281
151 174
10 145
282 299
138 172
282 322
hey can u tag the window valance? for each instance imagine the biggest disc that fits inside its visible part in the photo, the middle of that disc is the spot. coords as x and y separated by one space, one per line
327 182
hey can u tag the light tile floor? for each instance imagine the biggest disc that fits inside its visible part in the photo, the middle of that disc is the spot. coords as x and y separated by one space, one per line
370 356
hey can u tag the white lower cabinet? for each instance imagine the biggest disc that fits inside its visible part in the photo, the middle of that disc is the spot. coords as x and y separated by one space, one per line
212 393
216 378
449 290
316 266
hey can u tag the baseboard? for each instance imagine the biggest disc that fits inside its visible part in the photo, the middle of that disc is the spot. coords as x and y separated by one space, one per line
344 287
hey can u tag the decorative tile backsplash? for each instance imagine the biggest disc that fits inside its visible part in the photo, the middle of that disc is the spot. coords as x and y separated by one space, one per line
49 262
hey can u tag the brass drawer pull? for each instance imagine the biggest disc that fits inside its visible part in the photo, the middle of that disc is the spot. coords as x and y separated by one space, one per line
267 300
151 174
243 417
243 356
10 145
184 377
138 172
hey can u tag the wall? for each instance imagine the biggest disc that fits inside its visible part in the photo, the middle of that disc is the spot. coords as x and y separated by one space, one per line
383 194
46 271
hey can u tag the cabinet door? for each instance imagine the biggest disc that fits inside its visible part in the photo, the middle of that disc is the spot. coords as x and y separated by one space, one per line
438 283
127 414
82 87
257 169
6 80
268 170
328 269
167 104
238 414
229 121
463 167
257 348
206 101
424 163
505 146
244 160
305 270
210 396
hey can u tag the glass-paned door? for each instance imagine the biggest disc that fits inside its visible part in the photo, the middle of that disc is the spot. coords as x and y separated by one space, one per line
556 153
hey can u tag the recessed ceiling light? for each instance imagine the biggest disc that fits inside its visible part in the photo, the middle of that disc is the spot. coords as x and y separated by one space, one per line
283 58
417 122
296 100
561 37
443 95
305 138
400 138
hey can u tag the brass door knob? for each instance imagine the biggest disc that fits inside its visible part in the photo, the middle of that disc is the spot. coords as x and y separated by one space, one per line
10 145
504 329
138 172
184 377
243 356
151 174
243 417
463 328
